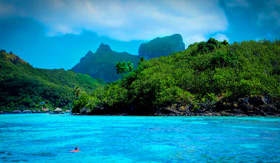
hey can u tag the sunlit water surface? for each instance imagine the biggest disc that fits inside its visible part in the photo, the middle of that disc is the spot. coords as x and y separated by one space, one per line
49 138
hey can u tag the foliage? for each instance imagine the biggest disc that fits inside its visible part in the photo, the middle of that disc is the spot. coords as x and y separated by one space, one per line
206 72
209 46
81 101
124 67
24 87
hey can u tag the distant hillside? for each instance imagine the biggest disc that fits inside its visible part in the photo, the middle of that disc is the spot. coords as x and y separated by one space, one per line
163 46
101 64
22 86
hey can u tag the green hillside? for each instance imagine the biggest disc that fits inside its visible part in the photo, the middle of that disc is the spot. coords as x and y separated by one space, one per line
101 64
25 87
208 76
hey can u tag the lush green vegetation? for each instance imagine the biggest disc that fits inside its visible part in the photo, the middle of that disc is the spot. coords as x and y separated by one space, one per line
124 67
206 72
101 65
163 46
25 87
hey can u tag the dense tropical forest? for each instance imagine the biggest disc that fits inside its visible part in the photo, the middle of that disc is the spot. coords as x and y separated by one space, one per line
24 87
207 77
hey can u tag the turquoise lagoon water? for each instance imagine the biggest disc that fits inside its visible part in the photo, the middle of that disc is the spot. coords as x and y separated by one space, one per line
49 138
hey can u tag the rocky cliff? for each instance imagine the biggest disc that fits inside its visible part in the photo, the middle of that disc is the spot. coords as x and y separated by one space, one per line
162 46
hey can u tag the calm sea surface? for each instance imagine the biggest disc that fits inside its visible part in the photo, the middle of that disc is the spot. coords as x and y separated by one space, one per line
49 138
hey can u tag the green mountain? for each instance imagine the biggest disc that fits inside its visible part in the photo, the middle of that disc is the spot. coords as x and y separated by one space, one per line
101 64
25 87
163 46
208 77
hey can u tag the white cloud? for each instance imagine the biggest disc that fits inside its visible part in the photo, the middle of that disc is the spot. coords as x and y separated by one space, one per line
195 38
128 20
221 37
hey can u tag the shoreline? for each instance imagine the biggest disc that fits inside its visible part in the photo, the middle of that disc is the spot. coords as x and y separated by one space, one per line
159 115
250 106
180 115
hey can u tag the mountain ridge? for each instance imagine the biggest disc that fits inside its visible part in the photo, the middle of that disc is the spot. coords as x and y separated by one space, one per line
101 64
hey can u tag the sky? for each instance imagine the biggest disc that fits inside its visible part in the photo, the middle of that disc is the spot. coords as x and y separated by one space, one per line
58 33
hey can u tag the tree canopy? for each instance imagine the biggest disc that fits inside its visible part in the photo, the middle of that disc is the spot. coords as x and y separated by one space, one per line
22 86
124 67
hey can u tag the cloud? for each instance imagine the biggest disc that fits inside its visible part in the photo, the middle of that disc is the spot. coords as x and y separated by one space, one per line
6 9
270 14
221 37
195 38
237 3
125 20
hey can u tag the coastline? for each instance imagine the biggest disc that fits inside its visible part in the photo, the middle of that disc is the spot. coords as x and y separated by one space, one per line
159 115
192 114
252 106
243 107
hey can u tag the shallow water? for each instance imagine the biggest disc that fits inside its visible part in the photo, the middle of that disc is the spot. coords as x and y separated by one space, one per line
49 138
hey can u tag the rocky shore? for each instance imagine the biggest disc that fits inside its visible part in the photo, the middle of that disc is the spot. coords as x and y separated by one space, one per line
247 106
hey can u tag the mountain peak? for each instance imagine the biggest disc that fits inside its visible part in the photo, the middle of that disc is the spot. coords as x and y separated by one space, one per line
89 53
101 64
103 48
162 46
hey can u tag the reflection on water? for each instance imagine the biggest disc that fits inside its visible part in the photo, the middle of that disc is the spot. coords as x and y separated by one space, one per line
49 138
